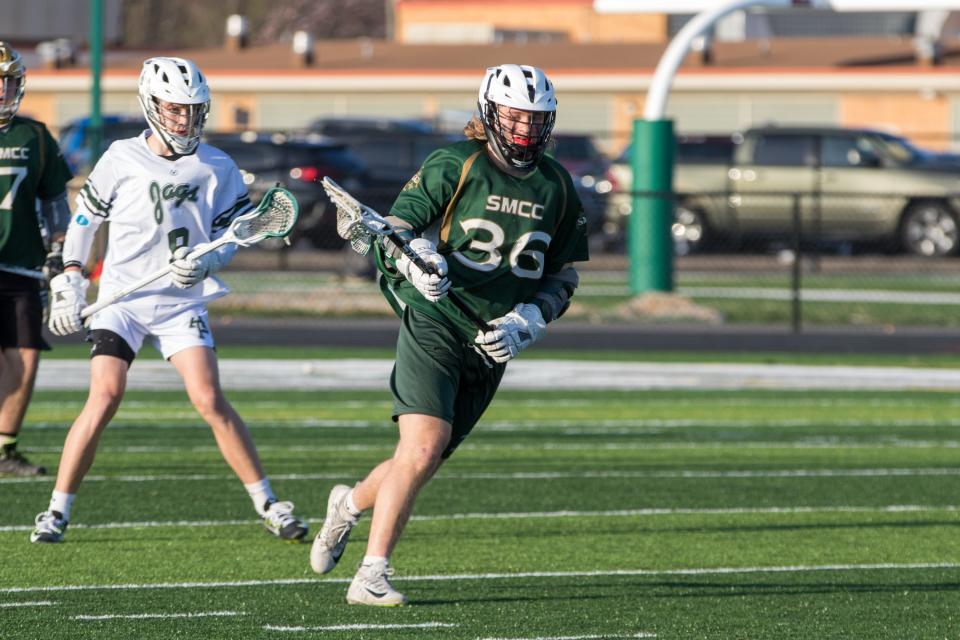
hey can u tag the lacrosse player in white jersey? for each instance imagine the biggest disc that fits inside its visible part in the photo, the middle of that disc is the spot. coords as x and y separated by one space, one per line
164 194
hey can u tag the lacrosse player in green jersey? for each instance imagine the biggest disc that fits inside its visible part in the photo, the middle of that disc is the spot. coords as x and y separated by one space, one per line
31 168
502 226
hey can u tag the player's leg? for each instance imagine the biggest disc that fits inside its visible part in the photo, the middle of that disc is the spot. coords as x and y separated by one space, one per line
21 341
424 384
108 377
423 439
185 340
116 334
17 379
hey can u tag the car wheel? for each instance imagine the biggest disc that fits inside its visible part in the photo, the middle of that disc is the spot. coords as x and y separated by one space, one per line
689 230
930 229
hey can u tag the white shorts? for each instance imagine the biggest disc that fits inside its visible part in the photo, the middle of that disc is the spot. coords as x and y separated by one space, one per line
169 328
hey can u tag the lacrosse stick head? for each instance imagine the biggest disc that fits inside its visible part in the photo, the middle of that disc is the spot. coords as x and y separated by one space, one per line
274 217
356 222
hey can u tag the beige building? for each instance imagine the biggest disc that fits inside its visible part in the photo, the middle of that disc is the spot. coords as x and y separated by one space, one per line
479 21
602 86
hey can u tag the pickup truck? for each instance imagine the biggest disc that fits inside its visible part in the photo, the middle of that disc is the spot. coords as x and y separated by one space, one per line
854 186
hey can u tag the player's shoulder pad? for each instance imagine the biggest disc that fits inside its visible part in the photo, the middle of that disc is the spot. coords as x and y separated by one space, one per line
209 154
458 152
29 121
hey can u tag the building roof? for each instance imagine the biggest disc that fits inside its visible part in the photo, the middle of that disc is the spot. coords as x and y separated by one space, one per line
378 56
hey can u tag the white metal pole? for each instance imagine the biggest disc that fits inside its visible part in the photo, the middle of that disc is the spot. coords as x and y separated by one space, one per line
677 50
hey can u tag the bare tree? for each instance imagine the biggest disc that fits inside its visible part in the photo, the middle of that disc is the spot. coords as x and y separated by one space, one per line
189 24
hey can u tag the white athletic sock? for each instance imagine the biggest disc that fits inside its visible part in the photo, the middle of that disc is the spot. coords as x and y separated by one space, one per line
368 560
62 502
261 494
351 506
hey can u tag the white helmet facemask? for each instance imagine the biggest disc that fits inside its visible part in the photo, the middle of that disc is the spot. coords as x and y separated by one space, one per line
518 109
175 101
12 80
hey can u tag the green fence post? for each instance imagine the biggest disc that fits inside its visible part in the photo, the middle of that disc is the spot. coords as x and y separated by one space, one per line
96 69
649 238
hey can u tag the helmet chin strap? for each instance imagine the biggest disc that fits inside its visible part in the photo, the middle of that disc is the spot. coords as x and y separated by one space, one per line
493 150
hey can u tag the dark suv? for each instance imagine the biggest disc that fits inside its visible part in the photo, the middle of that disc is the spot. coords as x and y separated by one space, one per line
391 149
75 137
299 165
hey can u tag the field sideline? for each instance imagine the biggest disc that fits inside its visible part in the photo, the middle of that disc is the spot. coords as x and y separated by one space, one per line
575 513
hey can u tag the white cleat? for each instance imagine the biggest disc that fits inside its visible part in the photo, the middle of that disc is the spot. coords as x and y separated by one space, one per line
50 527
371 586
329 544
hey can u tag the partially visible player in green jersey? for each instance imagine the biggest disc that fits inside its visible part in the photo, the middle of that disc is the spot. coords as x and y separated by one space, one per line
31 168
502 225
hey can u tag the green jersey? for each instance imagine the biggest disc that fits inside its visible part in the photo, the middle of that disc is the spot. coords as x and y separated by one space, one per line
500 234
31 167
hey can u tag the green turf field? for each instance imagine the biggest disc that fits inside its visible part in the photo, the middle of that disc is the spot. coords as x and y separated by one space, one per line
576 515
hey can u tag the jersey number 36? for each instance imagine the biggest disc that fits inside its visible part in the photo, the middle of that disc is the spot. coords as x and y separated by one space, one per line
492 248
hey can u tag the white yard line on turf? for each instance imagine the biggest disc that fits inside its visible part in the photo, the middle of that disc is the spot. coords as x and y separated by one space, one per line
619 513
532 374
40 603
355 627
547 475
602 636
566 427
145 616
917 566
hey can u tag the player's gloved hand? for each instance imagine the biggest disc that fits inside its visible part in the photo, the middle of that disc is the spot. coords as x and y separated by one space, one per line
69 293
433 286
512 333
187 271
53 263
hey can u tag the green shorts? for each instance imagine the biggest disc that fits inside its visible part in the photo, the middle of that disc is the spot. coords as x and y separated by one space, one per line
437 374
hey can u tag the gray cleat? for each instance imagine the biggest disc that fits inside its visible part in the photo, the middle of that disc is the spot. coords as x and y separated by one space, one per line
13 463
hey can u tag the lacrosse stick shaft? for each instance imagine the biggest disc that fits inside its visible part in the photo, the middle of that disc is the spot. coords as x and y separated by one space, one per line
153 277
22 271
427 267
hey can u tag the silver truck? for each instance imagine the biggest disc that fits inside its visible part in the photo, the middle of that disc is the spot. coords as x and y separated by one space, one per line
850 185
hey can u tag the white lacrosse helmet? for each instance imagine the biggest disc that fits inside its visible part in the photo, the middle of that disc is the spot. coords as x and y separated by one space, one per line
177 81
13 77
517 87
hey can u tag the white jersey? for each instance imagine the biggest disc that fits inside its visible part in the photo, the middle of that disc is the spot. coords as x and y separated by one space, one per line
155 205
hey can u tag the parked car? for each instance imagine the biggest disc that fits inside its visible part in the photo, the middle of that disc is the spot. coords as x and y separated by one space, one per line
299 165
392 150
75 137
857 186
590 170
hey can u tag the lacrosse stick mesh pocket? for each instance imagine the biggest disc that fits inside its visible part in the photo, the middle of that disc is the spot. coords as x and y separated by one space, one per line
276 219
349 224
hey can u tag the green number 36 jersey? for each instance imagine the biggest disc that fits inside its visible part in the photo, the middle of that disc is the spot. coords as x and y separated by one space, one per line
31 167
500 234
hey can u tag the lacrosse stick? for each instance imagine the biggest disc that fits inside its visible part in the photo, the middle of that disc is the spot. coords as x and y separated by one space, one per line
359 224
274 217
23 271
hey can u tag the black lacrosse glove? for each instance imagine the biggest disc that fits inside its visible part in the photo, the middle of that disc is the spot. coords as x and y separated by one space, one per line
53 263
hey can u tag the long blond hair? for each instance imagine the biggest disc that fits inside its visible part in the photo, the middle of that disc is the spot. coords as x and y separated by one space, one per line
474 129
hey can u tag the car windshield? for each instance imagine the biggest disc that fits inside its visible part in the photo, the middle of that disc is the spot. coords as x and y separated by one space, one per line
899 149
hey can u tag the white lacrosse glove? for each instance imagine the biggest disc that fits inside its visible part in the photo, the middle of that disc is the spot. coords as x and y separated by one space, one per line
433 286
512 333
69 293
187 272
